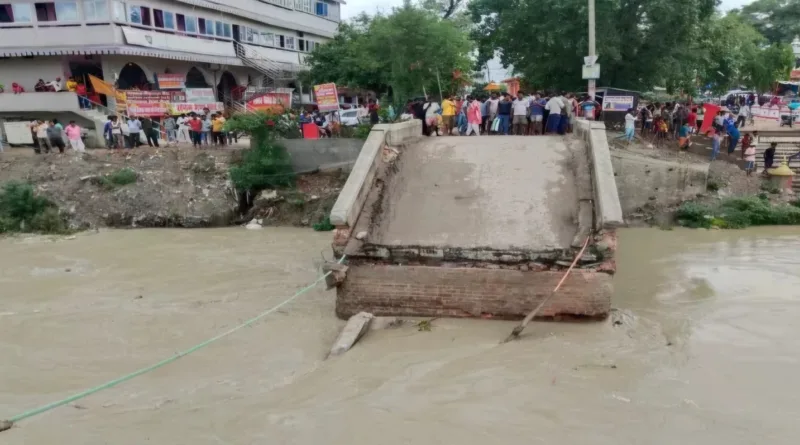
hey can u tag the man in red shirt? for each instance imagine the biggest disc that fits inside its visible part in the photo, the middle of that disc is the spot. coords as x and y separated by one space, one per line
80 90
692 119
196 130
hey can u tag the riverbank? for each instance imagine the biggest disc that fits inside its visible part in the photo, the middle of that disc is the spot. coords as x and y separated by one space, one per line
167 187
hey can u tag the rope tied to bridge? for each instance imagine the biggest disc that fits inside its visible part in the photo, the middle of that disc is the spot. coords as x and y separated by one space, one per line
7 424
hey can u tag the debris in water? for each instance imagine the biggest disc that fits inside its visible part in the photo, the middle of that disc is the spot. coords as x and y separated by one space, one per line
621 399
6 425
356 326
425 325
138 297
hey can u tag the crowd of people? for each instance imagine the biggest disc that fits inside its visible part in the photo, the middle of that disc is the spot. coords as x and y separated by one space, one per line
200 130
50 135
501 114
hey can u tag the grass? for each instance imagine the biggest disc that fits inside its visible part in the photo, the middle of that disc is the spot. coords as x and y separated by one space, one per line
118 178
738 213
23 210
324 225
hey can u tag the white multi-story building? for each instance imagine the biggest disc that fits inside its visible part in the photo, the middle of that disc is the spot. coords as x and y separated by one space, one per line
220 44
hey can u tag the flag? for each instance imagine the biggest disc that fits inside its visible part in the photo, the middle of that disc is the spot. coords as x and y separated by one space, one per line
100 86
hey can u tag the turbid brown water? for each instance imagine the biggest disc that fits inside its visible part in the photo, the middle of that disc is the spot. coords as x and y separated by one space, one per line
707 352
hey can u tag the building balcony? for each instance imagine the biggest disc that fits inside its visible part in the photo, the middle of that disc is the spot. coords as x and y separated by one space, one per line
39 102
22 40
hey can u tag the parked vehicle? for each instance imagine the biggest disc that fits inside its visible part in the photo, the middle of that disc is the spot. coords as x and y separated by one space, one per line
349 118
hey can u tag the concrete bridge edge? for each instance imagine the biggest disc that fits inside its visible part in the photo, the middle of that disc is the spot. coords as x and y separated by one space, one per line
608 210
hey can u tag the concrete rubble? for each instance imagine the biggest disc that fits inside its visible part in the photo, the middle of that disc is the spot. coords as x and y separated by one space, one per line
356 326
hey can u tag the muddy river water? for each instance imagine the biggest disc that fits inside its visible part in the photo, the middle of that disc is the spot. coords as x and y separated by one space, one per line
707 352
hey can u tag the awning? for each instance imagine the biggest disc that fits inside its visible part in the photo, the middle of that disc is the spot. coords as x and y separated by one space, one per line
121 50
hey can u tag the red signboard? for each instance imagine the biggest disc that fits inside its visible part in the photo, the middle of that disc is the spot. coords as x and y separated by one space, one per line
271 102
327 97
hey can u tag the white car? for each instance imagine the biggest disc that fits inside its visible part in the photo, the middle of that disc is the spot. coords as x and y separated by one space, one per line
349 118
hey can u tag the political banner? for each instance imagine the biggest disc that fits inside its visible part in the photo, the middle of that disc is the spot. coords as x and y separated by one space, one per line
162 108
171 81
617 103
327 97
156 96
199 96
270 102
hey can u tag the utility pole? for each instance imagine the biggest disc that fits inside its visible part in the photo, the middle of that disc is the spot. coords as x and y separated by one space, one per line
592 49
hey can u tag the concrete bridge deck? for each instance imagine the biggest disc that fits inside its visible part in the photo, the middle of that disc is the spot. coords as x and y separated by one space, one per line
476 226
499 192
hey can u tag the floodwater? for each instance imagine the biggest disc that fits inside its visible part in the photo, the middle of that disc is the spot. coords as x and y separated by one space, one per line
707 352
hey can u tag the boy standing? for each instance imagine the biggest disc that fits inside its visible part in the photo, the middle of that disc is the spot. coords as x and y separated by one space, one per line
716 139
750 157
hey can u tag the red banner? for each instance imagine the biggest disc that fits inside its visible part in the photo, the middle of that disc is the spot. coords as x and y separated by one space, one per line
709 114
327 97
171 81
271 102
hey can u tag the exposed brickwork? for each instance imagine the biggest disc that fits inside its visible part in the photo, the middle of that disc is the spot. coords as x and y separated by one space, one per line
431 291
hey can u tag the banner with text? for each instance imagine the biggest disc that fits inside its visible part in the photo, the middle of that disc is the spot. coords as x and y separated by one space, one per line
617 103
162 108
171 81
156 96
199 96
270 102
327 97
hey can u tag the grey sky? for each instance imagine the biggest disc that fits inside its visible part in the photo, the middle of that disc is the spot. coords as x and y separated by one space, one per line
354 7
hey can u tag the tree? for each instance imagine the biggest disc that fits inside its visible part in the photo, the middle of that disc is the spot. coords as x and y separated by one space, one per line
777 20
403 53
639 42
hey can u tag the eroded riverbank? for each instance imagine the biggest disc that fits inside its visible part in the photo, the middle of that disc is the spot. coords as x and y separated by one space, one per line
706 344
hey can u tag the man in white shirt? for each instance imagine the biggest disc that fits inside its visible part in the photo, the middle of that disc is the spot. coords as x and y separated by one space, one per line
554 105
491 111
520 110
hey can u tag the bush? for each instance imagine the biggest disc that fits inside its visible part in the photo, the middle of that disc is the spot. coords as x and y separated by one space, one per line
22 210
362 131
324 225
770 188
123 176
737 213
714 186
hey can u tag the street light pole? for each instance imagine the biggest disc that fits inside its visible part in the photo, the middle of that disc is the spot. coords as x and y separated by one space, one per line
592 49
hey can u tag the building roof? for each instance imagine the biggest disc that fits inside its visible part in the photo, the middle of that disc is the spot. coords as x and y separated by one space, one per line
122 50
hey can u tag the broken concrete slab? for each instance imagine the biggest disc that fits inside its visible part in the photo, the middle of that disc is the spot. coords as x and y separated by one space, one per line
356 326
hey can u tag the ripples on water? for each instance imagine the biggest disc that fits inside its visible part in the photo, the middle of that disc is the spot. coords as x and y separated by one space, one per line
708 352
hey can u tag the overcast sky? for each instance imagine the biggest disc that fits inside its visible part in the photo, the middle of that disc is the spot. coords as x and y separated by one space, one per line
354 7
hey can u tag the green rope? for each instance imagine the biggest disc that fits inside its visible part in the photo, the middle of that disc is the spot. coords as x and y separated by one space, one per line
164 362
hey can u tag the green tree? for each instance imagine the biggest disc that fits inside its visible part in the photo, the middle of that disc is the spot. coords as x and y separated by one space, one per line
401 53
777 20
767 65
639 42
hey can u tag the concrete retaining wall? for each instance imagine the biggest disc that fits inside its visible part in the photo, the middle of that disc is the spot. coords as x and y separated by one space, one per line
643 180
351 199
470 292
608 212
311 154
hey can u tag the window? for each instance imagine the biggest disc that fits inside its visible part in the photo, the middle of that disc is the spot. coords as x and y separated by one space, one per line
15 13
228 32
187 23
56 11
163 19
322 9
95 10
280 41
139 15
267 39
301 44
303 5
118 11
206 26
248 34
289 42
219 29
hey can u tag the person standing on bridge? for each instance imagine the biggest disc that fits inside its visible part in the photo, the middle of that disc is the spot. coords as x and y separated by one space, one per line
504 114
554 106
520 107
448 115
474 117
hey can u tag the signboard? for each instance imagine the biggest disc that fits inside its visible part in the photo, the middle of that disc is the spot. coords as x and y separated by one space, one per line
617 103
162 108
327 97
271 102
199 96
156 96
795 75
591 72
171 81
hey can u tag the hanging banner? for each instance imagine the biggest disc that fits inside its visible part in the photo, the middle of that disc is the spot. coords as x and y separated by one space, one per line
171 81
162 108
199 96
772 112
617 103
709 112
327 97
271 102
